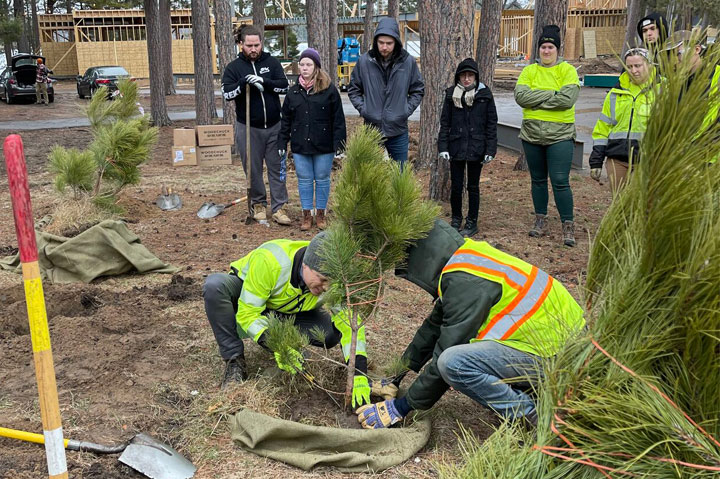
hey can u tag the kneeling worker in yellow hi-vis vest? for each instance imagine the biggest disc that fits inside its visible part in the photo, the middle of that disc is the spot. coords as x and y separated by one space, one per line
285 277
495 319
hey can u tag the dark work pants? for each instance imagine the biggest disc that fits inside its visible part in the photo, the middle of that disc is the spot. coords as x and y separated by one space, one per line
457 177
553 161
221 293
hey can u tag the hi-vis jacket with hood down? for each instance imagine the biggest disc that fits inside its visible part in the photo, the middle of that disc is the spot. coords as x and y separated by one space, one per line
386 96
623 121
547 95
485 295
272 281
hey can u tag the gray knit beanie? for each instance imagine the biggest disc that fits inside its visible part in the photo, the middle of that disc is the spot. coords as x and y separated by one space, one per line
312 257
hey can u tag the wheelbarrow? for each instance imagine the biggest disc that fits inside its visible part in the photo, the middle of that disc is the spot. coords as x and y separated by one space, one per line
211 210
143 453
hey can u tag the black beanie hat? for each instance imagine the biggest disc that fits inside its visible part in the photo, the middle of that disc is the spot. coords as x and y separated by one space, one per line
550 34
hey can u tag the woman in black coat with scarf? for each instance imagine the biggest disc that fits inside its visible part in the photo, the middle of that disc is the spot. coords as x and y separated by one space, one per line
468 139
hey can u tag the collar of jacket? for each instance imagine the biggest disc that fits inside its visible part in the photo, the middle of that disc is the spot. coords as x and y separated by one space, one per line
557 62
296 279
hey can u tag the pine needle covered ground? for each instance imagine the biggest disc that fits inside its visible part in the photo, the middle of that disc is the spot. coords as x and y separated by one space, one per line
639 394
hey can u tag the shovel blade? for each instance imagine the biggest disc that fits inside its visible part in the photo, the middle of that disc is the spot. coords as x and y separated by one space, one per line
210 210
169 202
155 459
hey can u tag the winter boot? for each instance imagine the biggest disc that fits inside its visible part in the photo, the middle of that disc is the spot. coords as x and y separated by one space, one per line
307 220
320 220
235 371
456 222
568 229
470 228
259 212
540 228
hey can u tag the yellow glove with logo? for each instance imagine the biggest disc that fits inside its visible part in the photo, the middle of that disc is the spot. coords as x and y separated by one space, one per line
361 391
383 388
379 415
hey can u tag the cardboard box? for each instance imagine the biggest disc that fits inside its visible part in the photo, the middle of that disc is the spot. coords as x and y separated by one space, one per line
184 137
184 155
215 135
214 155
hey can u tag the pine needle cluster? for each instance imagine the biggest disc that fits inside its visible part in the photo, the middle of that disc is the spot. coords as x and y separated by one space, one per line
638 396
123 140
282 336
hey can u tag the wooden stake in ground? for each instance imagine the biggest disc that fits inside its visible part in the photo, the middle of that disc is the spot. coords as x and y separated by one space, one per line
248 162
37 315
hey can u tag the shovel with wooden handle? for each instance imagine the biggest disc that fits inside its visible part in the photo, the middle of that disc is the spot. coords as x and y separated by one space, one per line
211 210
146 455
251 214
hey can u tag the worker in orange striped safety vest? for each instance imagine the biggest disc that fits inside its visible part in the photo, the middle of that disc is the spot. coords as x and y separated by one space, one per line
496 318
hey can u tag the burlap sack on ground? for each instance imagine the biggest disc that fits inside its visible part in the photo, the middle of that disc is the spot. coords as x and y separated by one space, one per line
107 249
348 450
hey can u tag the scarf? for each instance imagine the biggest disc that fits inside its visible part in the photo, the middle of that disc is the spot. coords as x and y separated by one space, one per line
306 84
462 93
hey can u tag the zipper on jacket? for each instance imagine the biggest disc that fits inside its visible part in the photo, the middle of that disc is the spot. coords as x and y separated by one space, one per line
262 97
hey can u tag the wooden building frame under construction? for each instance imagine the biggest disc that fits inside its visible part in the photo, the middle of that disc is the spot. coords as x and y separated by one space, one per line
74 42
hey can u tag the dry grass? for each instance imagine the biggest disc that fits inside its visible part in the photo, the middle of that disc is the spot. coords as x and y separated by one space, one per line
69 216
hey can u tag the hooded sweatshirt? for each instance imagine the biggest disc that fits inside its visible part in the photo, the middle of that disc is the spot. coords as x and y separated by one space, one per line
456 319
386 92
659 21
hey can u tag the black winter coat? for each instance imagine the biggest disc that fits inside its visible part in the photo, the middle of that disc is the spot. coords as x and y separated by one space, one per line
469 134
313 124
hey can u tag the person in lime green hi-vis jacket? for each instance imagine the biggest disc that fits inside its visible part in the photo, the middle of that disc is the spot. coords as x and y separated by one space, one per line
547 91
285 277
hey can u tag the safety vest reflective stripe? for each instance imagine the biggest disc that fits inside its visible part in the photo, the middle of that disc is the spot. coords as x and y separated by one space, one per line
532 290
360 348
285 266
252 299
621 135
256 327
613 99
469 259
527 302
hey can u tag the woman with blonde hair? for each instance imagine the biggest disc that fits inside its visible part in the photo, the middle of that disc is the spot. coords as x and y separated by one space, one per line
314 123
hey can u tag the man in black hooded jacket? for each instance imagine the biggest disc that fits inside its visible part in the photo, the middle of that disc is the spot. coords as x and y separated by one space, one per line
653 30
386 87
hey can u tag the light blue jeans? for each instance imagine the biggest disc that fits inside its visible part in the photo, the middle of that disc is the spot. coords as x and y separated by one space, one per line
313 172
492 374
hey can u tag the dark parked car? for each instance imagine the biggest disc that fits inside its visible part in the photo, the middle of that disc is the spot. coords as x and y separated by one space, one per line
96 77
18 79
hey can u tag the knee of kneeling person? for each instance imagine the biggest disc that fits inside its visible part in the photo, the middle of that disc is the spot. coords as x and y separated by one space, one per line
332 339
213 285
449 365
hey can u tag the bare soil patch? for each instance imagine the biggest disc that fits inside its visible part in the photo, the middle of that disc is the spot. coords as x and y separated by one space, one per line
135 353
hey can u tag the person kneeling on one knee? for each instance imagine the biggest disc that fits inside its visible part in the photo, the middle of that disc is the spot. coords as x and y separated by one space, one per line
495 319
285 277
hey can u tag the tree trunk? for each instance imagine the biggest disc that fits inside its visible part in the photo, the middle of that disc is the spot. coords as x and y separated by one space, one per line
633 17
23 43
317 28
490 16
393 9
226 47
7 45
368 29
549 12
166 46
203 62
35 39
158 108
258 14
444 42
69 6
332 60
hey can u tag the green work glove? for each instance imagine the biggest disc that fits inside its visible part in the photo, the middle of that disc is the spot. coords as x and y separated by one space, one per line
361 391
290 360
383 388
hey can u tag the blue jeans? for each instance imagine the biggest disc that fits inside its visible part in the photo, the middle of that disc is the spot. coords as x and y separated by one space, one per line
397 148
479 369
313 169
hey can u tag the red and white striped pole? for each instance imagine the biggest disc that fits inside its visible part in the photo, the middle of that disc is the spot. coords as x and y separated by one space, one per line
35 300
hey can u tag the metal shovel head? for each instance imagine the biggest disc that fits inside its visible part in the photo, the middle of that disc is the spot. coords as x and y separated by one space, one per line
169 202
210 210
155 459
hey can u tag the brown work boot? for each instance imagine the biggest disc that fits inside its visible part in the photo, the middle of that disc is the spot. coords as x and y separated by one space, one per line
568 229
320 219
259 212
540 227
307 220
281 218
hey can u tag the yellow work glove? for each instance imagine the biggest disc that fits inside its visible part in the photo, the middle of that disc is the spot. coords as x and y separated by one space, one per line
379 415
383 388
361 391
289 360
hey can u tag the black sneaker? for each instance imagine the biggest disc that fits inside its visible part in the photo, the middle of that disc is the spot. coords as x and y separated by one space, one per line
456 222
470 227
235 371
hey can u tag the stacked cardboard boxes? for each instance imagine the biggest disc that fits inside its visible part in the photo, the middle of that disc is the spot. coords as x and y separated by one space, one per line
206 145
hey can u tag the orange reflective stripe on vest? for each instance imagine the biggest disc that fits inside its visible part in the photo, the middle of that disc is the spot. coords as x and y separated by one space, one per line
532 290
